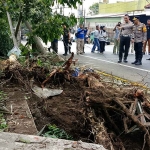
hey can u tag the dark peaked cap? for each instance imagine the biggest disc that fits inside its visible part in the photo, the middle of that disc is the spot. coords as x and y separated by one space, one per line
136 17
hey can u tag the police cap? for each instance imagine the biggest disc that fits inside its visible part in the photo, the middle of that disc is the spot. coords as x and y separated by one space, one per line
136 17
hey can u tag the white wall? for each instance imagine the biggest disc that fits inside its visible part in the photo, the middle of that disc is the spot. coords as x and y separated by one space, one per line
114 1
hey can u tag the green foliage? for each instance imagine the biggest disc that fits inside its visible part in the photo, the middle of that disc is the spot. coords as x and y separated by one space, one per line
2 96
55 132
3 124
45 23
94 9
81 20
52 29
6 43
39 63
25 50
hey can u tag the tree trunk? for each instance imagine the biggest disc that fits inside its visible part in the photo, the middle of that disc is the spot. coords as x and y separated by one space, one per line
36 39
18 29
11 29
18 24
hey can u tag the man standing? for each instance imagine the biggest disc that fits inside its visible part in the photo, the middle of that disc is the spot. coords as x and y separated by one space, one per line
139 38
125 37
54 45
85 37
96 39
66 39
102 38
148 38
80 39
116 38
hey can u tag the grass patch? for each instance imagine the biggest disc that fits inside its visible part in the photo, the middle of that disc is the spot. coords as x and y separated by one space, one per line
2 96
54 132
3 123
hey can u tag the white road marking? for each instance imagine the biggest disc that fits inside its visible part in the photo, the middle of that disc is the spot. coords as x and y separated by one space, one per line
116 63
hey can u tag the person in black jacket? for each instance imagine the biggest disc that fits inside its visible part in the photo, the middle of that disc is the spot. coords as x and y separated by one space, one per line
66 39
102 38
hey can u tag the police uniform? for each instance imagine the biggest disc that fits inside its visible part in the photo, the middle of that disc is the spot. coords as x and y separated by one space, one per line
148 41
139 36
125 37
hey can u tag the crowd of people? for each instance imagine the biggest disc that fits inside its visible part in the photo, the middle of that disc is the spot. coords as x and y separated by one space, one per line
131 32
99 39
128 33
125 33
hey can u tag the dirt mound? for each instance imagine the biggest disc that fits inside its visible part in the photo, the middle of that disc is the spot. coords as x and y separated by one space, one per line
89 109
90 114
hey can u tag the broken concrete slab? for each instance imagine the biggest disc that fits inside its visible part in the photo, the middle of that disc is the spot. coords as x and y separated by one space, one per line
9 141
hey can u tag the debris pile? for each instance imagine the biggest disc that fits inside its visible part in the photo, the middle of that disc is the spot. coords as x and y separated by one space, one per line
80 102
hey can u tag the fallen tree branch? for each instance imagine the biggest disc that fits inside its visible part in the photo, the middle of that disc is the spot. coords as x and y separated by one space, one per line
51 74
117 130
68 63
135 120
66 66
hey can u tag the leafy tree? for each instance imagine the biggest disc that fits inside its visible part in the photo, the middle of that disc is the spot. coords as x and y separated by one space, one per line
94 9
81 20
39 17
6 42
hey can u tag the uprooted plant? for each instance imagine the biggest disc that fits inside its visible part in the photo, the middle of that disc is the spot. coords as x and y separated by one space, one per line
89 108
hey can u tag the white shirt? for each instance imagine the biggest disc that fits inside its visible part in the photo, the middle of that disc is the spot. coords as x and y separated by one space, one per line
96 34
102 35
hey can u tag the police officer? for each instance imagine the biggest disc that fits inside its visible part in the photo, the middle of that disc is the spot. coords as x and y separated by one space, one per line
125 38
139 38
148 38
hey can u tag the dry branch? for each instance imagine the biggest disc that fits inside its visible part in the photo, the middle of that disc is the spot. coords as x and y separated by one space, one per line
68 63
135 120
117 130
51 74
66 66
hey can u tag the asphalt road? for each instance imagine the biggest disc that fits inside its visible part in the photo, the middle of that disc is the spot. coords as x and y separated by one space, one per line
107 62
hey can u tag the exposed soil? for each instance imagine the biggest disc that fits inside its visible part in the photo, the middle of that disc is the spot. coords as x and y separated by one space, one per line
68 111
87 109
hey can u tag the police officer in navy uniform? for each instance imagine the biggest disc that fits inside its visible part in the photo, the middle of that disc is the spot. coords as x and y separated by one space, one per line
139 38
125 38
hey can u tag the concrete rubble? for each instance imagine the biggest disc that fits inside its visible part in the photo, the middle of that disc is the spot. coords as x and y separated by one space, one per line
13 141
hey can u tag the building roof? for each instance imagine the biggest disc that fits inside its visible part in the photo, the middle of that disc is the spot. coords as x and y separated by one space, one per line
116 15
147 6
106 15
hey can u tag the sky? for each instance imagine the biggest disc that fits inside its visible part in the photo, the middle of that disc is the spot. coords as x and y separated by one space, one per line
87 4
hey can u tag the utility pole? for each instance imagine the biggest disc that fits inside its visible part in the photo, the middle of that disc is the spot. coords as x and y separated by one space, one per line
83 13
84 18
63 10
82 8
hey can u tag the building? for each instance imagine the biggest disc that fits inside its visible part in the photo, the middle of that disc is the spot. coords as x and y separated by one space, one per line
109 19
122 7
